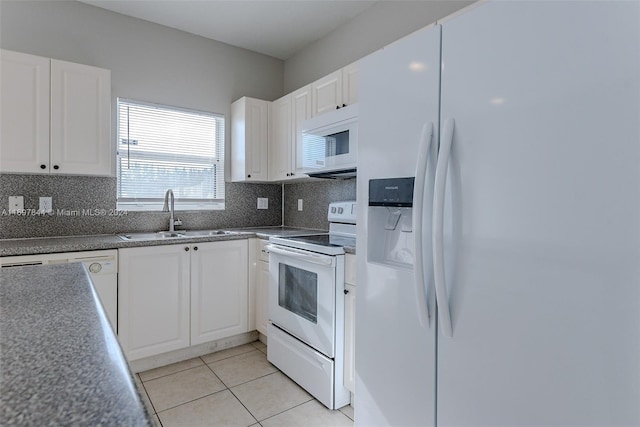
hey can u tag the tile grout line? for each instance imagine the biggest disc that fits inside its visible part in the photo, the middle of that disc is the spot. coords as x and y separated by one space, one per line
287 410
244 406
191 401
186 369
155 412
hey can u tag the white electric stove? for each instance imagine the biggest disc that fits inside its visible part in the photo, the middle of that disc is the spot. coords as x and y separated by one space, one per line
306 306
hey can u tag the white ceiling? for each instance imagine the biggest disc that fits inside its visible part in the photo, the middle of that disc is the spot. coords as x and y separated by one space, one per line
276 28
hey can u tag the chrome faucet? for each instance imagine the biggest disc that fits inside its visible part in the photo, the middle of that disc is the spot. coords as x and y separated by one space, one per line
170 208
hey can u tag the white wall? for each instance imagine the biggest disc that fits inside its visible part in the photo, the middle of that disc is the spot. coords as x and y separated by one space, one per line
376 27
148 61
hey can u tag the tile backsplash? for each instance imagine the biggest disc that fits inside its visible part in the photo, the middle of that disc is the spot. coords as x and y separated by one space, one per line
316 196
75 193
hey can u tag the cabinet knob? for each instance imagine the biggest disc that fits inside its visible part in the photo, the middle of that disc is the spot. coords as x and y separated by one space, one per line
195 248
292 173
43 166
288 174
186 248
344 105
248 176
337 107
346 291
56 167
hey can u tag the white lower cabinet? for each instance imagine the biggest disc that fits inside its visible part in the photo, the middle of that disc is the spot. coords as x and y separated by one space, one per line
262 298
171 297
349 376
261 286
153 300
219 287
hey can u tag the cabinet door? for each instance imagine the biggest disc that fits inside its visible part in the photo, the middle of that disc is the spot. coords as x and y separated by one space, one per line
80 119
153 300
350 84
302 109
219 290
249 140
349 377
280 153
24 127
262 297
327 93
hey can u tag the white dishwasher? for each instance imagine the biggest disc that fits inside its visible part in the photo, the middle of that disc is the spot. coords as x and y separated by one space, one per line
102 267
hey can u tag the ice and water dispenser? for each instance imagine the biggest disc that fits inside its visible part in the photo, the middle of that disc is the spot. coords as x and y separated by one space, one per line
390 231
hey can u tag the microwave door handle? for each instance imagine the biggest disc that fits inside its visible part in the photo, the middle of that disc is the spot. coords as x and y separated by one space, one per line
302 255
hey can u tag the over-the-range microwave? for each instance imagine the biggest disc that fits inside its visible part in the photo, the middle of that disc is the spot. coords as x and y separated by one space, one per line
329 144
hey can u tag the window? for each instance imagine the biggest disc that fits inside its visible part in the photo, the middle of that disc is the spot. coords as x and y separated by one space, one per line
162 147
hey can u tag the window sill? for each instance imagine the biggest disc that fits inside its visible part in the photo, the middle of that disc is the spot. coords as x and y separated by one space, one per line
179 206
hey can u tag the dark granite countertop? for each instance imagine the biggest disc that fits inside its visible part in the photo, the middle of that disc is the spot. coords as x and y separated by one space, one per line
61 362
47 245
266 232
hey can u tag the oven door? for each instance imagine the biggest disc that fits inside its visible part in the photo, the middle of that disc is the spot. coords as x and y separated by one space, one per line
302 295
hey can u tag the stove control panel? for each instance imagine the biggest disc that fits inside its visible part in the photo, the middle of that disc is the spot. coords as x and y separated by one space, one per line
344 212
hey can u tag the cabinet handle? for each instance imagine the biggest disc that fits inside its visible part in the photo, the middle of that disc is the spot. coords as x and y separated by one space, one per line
186 248
346 291
195 248
344 105
292 173
56 167
337 107
288 174
43 166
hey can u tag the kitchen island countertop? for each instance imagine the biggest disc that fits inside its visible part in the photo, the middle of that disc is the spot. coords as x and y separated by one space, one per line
61 362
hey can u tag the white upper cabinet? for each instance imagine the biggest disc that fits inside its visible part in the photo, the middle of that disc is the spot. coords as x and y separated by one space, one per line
80 119
327 93
265 135
335 90
301 108
350 84
288 114
55 117
280 153
24 131
249 139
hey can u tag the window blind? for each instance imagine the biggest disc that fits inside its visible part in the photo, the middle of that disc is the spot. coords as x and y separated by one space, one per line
162 147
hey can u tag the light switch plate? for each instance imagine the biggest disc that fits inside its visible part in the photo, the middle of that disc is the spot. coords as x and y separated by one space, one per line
263 203
46 205
16 203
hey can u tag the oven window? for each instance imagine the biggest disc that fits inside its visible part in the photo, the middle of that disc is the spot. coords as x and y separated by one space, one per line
298 292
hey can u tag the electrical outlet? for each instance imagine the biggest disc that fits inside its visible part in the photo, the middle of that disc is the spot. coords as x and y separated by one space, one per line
16 203
300 204
263 203
46 205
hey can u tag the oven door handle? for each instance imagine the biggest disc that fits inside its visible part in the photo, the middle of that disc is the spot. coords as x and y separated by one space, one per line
302 255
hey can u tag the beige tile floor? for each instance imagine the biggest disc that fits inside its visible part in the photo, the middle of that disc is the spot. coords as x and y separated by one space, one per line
233 387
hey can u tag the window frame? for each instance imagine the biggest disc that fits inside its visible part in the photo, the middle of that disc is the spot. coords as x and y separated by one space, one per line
181 204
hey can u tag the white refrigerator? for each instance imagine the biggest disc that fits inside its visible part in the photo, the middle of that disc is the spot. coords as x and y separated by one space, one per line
508 293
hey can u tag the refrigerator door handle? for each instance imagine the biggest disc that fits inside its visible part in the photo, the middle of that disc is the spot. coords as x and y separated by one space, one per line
438 226
418 207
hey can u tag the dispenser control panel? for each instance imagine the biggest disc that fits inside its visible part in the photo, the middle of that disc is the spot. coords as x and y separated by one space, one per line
396 192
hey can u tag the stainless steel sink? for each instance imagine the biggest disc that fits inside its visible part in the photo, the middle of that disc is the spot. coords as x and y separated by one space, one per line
198 233
175 234
151 236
